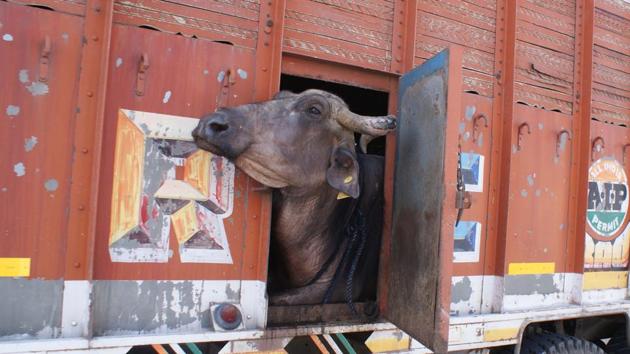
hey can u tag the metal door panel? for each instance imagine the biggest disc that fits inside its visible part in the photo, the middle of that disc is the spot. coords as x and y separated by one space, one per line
419 277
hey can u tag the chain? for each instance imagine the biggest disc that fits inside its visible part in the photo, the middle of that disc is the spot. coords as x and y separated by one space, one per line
460 180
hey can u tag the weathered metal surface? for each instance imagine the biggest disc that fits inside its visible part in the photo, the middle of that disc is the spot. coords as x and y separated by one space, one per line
234 22
75 7
37 125
421 246
26 314
353 32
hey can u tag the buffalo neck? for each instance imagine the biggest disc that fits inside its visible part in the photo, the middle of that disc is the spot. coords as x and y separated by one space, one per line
307 227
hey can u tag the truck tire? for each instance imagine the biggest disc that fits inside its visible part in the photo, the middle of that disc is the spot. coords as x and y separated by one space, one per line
553 343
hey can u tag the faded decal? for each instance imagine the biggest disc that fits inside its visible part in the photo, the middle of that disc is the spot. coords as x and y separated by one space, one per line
607 240
466 241
163 183
472 171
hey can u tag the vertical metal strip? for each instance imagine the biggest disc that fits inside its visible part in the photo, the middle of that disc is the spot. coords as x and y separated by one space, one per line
87 139
580 144
502 117
267 83
403 47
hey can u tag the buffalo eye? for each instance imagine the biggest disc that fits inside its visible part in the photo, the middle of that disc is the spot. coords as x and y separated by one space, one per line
314 111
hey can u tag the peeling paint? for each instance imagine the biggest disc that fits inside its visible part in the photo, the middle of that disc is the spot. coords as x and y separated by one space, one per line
523 193
462 127
528 284
37 88
167 96
541 126
562 226
4 189
29 143
26 312
242 73
19 169
65 36
12 110
119 62
51 185
514 149
461 291
7 37
221 76
180 20
538 192
480 139
530 180
205 71
23 76
466 136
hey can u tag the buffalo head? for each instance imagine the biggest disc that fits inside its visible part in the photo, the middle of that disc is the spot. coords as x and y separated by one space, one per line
293 140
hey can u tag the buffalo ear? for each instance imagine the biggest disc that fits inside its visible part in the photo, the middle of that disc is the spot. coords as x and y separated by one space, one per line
343 172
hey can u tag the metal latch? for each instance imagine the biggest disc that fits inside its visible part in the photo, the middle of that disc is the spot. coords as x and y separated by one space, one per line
462 197
44 58
143 66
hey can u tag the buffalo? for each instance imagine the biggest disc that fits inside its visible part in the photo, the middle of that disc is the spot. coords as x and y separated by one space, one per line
327 196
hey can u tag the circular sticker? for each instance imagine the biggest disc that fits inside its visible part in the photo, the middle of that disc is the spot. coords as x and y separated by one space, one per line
607 204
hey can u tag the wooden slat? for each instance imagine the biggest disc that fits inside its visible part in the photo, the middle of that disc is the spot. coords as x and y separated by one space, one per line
448 30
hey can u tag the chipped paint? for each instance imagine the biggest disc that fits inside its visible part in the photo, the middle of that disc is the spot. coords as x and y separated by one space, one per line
461 291
12 110
221 76
119 62
179 20
4 189
19 169
523 193
530 180
51 185
28 314
205 71
65 36
167 96
470 111
23 76
480 139
29 143
541 126
36 88
242 73
528 284
538 192
7 37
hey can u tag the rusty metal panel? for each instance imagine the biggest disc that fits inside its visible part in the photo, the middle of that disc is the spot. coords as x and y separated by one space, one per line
469 24
539 187
352 32
40 70
151 95
424 196
233 22
74 7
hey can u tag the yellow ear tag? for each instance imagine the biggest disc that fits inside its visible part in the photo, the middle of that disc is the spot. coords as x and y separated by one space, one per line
347 180
342 195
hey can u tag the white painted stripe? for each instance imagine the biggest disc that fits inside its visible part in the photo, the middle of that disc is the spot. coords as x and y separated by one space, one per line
332 344
177 349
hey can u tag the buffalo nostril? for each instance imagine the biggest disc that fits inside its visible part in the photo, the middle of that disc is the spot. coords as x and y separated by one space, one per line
218 127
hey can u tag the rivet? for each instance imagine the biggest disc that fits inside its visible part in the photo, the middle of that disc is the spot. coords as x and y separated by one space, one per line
77 264
81 207
90 93
95 38
269 23
74 323
266 44
84 150
264 69
97 8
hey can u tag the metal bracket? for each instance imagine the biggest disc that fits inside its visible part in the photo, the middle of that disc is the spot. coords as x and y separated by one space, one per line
595 145
143 66
480 116
44 59
519 141
559 140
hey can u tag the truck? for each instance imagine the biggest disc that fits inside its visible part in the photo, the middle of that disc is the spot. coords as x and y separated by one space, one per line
506 189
